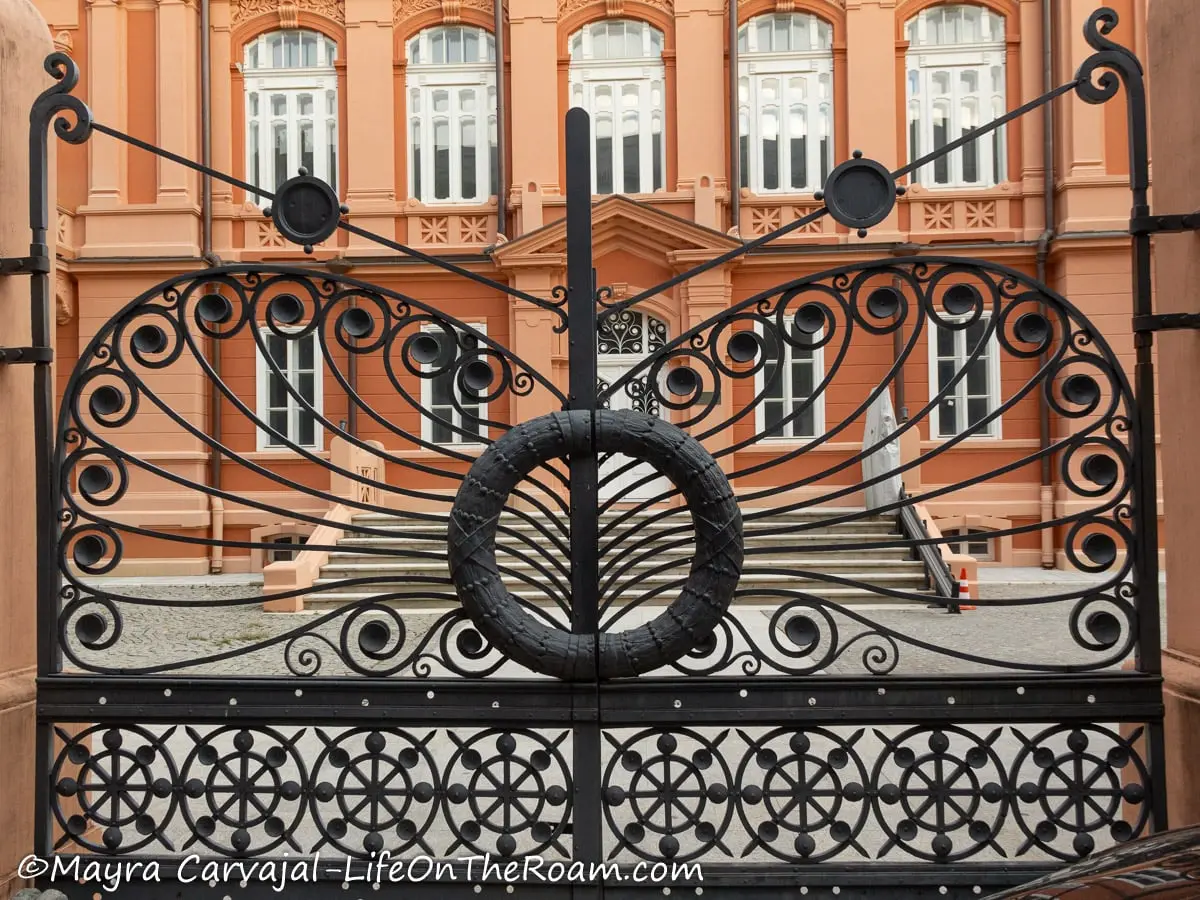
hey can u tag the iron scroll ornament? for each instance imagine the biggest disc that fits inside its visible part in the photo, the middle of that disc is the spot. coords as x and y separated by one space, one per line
679 629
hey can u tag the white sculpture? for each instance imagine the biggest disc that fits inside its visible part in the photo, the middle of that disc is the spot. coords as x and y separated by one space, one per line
881 422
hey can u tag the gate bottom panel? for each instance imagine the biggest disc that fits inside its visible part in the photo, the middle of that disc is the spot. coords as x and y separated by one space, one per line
958 805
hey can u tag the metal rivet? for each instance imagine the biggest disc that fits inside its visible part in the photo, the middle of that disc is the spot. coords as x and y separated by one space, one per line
1091 698
366 702
1020 690
943 890
977 890
812 701
743 693
299 692
881 691
678 704
509 889
950 700
666 892
478 889
837 890
699 892
495 704
103 700
233 701
430 695
166 692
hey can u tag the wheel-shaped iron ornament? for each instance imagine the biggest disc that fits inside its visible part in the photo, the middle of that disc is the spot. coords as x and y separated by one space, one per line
684 624
305 210
860 193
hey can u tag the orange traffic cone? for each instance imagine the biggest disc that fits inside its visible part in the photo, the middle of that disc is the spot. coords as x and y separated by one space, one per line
964 591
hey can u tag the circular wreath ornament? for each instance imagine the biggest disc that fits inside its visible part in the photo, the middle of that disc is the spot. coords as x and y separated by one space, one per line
545 648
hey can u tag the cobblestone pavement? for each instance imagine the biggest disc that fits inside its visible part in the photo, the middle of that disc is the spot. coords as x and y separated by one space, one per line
1024 635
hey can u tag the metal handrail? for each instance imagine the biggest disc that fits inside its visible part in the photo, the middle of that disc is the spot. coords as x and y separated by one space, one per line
941 579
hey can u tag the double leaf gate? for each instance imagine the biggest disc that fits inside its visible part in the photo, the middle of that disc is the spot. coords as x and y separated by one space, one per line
523 657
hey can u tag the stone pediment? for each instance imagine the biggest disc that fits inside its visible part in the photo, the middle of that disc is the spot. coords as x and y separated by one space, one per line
619 223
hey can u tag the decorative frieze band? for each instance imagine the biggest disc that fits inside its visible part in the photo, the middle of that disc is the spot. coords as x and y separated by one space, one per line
288 10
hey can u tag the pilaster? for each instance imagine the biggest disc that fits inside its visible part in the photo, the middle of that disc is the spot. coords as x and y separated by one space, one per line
108 158
370 138
700 89
537 124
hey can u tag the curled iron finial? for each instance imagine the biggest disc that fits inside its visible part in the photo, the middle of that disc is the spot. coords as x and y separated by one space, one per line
1110 56
1098 80
58 97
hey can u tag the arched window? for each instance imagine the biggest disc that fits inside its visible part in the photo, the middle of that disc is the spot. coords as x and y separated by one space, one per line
785 100
291 107
956 83
617 76
452 132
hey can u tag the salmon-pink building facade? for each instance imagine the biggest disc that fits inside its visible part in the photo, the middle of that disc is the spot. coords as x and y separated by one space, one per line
398 104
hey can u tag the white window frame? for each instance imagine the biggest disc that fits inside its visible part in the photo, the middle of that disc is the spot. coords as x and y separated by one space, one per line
959 541
785 385
804 80
641 77
264 83
263 374
978 58
991 355
463 83
453 415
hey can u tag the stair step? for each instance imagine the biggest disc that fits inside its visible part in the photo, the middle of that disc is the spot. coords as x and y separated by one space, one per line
352 562
334 599
809 536
749 580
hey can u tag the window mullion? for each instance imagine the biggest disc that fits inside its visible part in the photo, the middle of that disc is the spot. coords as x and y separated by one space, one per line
812 132
427 143
454 119
618 138
482 146
753 115
926 106
589 100
646 141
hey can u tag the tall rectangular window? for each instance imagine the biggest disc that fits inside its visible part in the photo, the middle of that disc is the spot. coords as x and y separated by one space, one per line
787 383
454 415
291 414
965 404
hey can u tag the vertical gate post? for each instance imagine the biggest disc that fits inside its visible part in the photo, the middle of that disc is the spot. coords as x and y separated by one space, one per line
581 396
1145 484
24 403
1173 31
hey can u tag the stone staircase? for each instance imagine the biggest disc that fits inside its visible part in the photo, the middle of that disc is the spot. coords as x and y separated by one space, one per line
383 549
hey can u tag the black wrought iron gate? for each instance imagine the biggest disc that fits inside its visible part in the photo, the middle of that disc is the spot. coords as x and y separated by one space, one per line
684 689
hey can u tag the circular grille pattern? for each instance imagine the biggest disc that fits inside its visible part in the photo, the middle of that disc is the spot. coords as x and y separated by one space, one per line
544 648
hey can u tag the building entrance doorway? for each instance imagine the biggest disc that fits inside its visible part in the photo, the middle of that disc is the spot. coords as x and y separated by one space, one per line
623 341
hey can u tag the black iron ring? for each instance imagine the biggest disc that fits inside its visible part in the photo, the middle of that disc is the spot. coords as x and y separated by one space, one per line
688 620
